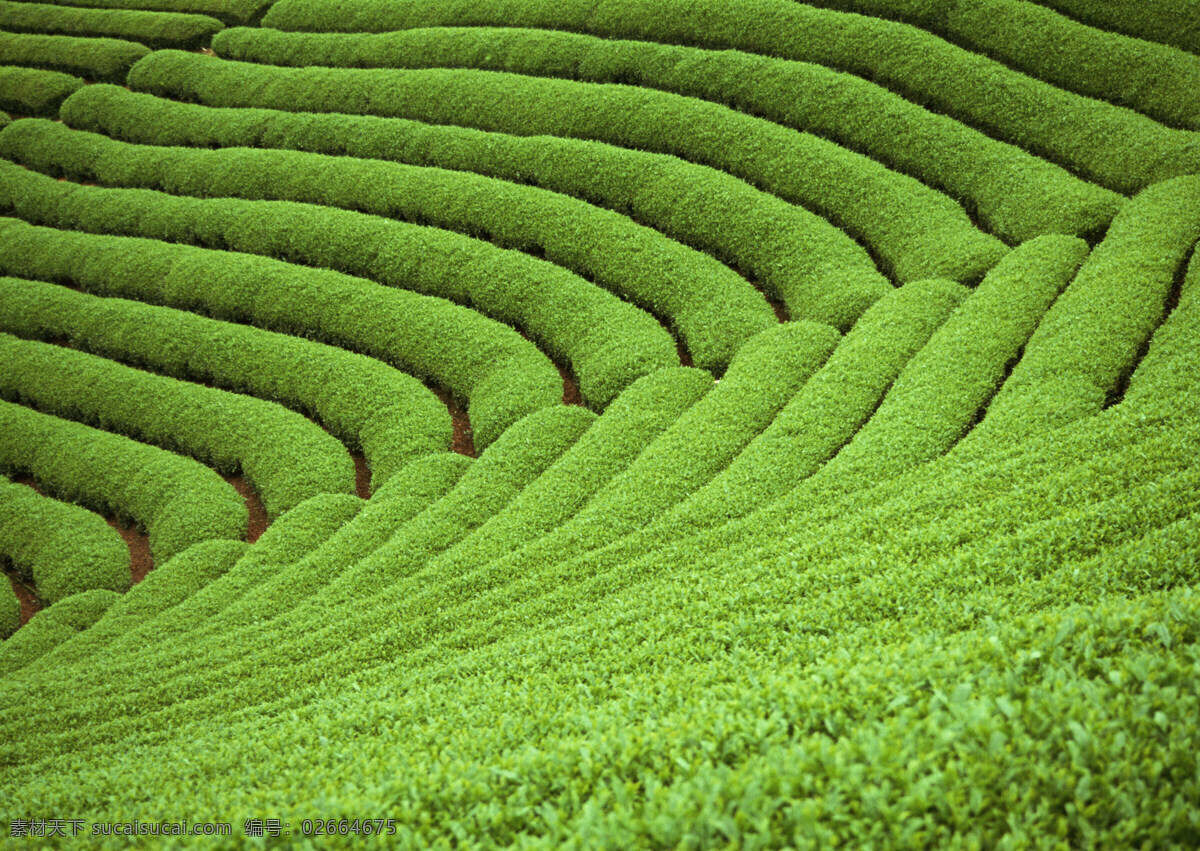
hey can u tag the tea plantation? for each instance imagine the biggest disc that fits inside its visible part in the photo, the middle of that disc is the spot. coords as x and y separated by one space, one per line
600 423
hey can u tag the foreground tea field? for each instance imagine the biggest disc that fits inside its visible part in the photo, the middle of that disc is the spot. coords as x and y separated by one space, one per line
674 423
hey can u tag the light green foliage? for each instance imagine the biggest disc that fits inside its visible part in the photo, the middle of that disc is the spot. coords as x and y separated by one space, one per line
284 456
153 29
608 343
711 306
51 627
29 91
363 402
1089 342
916 231
95 58
919 569
176 500
63 548
818 272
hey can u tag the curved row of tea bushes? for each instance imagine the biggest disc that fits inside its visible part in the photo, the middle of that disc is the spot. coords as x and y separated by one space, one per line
712 308
101 59
818 272
957 500
1153 79
1089 343
1109 145
1173 22
167 585
31 91
482 363
229 11
608 343
286 457
827 411
536 598
1013 193
63 548
153 29
914 230
626 428
415 488
388 415
1171 367
178 501
946 386
482 489
53 627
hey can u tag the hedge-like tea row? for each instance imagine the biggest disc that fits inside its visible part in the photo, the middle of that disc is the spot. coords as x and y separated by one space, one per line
178 501
522 604
229 11
63 548
481 362
628 426
366 404
914 230
608 343
153 29
103 59
1171 367
52 627
1014 194
1112 146
165 586
10 612
946 386
1089 342
827 411
1153 79
1173 22
286 457
31 91
818 272
713 308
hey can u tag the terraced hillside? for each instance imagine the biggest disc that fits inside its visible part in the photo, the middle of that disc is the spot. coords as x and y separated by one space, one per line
605 423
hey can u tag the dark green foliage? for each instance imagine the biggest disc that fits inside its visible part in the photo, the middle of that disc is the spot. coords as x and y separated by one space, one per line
153 29
63 548
915 231
1014 194
1173 22
229 11
178 501
500 375
608 343
103 59
1158 81
363 402
1116 148
818 272
29 91
10 613
284 456
713 309
51 627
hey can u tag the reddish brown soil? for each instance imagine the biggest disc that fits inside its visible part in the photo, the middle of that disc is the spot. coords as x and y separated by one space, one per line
140 560
258 515
571 394
463 441
30 605
362 476
685 357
